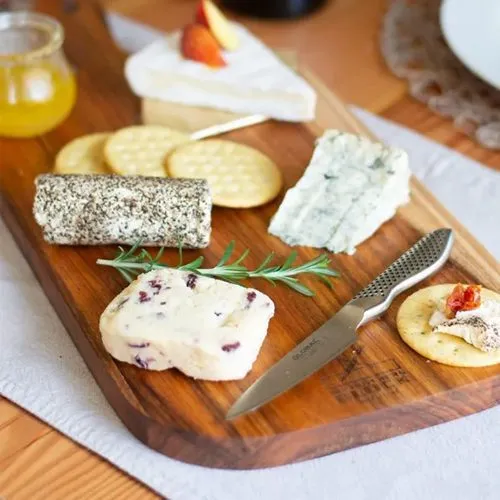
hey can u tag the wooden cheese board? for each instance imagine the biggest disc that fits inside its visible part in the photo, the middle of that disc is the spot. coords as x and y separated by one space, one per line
378 389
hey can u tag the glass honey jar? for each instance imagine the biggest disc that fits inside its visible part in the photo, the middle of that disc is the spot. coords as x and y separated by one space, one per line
37 85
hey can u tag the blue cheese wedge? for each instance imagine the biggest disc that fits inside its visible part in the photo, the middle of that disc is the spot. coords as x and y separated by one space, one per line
206 328
350 188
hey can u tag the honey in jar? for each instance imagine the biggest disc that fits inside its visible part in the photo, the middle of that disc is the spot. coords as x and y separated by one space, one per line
37 86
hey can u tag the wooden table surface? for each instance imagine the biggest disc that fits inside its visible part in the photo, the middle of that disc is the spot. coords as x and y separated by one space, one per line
340 44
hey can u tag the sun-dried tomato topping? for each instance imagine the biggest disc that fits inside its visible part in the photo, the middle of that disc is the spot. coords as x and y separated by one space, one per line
463 299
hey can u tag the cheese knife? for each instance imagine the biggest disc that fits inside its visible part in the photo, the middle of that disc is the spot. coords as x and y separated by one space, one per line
330 340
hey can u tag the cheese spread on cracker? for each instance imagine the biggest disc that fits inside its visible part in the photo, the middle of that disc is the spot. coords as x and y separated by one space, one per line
478 324
422 317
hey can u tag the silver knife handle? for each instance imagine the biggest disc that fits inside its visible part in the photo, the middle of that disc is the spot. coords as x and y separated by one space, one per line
422 260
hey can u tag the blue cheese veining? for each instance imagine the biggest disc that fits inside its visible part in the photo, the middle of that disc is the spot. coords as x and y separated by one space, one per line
206 328
350 188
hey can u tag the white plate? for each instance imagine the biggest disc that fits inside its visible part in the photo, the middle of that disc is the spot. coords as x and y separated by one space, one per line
472 30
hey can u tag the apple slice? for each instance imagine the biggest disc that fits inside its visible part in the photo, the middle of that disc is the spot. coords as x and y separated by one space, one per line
207 14
198 44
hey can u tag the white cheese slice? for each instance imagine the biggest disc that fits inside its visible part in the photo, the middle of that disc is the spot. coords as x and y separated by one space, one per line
207 328
350 188
255 80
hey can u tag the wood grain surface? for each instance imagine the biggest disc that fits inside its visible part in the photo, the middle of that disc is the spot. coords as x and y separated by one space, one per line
38 462
368 84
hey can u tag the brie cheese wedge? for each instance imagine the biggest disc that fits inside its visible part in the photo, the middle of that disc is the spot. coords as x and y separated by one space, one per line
255 80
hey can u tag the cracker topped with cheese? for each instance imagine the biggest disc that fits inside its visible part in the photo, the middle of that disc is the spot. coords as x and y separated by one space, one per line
453 324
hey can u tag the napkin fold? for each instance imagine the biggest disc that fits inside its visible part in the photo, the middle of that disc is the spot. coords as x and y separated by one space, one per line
41 370
468 189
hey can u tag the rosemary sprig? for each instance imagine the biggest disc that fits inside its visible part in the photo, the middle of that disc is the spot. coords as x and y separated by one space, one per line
129 263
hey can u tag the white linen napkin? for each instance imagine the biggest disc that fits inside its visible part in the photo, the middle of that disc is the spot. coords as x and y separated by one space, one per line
41 370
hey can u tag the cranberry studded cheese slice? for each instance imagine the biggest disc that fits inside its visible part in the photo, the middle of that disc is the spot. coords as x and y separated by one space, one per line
206 328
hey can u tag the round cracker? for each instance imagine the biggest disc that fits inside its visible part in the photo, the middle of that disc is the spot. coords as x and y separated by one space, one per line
413 326
239 176
142 149
84 155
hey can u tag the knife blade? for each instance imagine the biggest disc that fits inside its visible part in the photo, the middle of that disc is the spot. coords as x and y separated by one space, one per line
325 344
331 339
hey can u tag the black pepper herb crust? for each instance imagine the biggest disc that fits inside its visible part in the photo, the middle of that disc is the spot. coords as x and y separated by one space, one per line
111 209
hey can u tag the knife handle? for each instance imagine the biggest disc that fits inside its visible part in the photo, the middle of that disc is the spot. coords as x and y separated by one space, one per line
422 260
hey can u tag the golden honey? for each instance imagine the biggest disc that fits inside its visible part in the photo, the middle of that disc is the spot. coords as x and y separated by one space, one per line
37 86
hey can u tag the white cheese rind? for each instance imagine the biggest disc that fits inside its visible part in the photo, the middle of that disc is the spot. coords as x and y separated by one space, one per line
350 188
207 328
255 81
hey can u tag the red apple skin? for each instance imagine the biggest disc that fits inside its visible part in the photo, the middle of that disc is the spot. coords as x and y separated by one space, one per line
200 16
208 14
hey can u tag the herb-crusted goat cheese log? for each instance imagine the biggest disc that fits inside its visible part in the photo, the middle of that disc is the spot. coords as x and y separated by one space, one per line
350 188
110 209
206 328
